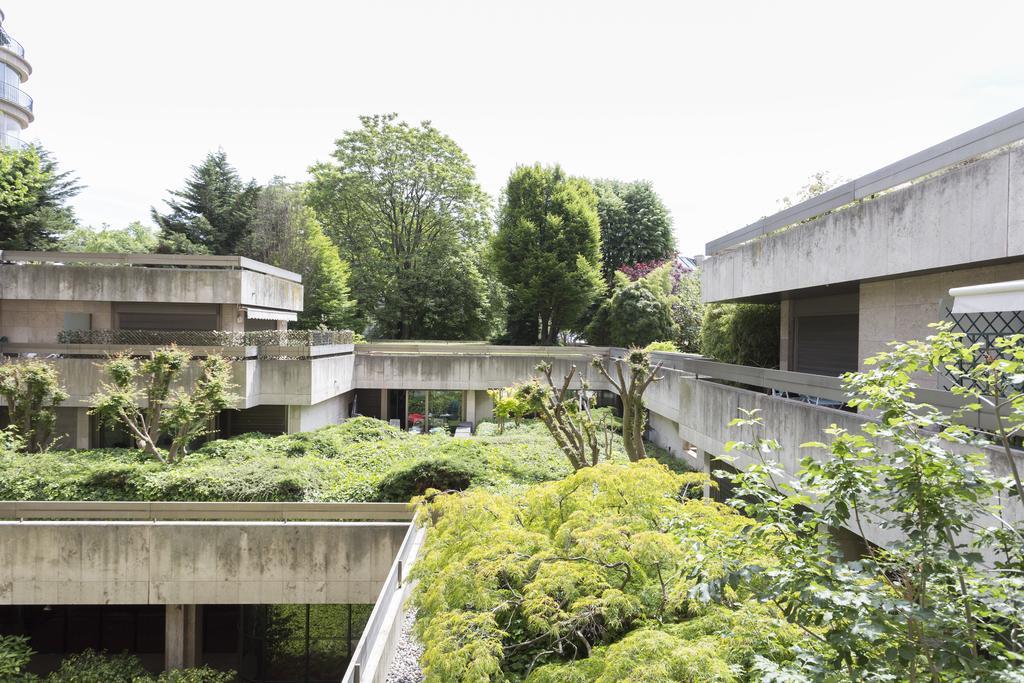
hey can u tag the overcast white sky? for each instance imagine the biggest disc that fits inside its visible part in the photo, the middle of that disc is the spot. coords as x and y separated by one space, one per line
724 106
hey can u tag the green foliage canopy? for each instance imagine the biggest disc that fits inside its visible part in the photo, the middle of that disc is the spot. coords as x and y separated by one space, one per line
942 601
635 224
135 238
744 334
33 199
404 207
547 252
284 232
32 390
178 413
211 214
515 587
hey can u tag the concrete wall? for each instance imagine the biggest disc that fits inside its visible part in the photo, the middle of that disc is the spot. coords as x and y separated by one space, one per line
148 285
38 321
88 563
902 308
968 215
478 371
331 411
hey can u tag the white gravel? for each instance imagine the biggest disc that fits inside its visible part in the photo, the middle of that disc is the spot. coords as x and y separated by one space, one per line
405 668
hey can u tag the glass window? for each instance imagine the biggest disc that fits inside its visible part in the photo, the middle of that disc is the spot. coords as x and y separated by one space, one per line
9 75
445 409
416 410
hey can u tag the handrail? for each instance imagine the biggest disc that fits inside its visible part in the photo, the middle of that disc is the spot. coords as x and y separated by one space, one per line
213 511
11 142
16 95
985 138
6 41
360 664
147 260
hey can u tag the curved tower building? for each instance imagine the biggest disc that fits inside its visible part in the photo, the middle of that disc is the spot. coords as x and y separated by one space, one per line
15 104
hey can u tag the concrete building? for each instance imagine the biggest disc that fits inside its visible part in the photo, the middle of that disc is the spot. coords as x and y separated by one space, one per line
16 107
874 259
76 308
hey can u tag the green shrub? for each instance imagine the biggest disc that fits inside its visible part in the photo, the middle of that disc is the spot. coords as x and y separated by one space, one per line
744 334
203 674
99 667
444 474
662 346
347 462
15 655
584 565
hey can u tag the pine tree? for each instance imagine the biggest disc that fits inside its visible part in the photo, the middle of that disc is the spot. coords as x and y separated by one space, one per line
33 200
213 211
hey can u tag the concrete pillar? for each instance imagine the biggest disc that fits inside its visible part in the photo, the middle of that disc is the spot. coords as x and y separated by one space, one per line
82 435
470 401
384 405
182 637
707 471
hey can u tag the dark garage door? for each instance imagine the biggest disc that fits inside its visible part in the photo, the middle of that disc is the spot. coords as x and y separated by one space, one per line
826 344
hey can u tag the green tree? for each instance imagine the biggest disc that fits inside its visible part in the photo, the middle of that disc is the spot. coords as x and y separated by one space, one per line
211 214
33 199
633 374
636 226
547 252
285 233
943 600
744 334
566 412
637 314
135 238
404 207
175 409
32 390
538 585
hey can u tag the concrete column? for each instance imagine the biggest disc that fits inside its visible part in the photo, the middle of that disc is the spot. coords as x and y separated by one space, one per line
470 401
82 435
707 470
785 327
384 405
182 643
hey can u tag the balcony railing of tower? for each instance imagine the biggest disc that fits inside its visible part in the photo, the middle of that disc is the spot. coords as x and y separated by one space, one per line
11 44
8 141
15 95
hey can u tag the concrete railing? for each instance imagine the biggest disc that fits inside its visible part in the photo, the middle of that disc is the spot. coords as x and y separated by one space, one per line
985 138
215 511
147 261
371 660
807 385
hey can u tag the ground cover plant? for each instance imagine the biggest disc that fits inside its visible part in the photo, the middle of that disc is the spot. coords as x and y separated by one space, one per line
592 578
362 459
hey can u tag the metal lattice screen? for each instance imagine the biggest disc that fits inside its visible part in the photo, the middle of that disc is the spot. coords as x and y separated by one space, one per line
985 328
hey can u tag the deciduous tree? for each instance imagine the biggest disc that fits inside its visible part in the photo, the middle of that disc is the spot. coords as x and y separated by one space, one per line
32 390
635 224
633 374
133 238
179 413
404 207
285 233
548 252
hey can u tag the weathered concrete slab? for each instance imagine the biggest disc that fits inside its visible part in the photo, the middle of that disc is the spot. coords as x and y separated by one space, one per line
74 562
